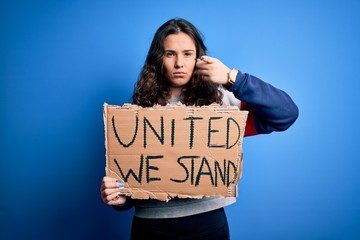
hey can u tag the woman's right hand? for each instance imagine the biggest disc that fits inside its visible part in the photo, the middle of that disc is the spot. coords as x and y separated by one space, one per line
111 191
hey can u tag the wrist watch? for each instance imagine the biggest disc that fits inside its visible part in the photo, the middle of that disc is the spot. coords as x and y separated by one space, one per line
231 78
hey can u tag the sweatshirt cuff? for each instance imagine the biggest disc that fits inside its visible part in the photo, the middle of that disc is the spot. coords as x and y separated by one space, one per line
239 80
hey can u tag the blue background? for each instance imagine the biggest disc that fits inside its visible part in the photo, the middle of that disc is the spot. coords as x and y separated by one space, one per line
61 60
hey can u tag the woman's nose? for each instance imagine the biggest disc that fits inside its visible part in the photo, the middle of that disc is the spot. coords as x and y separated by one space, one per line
179 62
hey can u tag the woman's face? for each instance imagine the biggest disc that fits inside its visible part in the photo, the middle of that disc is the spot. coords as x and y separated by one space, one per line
178 61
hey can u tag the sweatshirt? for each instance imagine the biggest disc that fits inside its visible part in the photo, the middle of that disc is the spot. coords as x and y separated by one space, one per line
270 109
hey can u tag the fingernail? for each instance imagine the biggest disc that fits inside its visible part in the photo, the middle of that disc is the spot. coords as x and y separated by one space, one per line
117 180
121 187
202 58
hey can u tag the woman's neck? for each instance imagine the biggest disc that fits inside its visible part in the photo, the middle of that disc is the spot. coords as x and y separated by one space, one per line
175 92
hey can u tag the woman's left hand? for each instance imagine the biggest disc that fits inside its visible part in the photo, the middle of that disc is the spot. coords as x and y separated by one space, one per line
212 70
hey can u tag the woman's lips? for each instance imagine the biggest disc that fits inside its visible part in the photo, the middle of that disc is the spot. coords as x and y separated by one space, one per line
179 74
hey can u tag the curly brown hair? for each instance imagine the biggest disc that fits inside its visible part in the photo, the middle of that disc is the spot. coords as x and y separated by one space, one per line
152 88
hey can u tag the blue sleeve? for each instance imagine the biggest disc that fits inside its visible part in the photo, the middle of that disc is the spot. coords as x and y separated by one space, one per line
274 109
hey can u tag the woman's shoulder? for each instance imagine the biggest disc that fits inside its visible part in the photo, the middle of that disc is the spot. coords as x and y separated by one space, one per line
229 98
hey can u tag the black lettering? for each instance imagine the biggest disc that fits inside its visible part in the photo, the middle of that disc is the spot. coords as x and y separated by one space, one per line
186 169
230 163
210 130
228 132
191 141
161 136
117 136
172 132
221 173
192 171
201 172
138 178
150 167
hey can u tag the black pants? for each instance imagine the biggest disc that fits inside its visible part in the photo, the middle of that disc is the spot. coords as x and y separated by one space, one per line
211 225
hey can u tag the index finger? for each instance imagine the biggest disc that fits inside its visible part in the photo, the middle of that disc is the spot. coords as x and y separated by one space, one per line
109 179
109 182
207 59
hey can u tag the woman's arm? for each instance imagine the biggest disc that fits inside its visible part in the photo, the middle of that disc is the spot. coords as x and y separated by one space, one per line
270 109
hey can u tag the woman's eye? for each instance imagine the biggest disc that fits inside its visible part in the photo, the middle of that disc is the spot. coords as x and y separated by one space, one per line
169 54
189 54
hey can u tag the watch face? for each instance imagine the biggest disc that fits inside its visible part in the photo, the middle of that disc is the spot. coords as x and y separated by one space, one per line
231 78
233 73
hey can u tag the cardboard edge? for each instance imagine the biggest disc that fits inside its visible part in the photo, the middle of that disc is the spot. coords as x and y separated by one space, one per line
142 194
233 186
105 108
167 196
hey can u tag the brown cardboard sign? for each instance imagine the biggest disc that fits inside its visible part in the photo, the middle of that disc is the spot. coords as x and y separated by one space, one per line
175 150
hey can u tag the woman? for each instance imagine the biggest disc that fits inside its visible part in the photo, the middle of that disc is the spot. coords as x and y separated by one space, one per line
177 70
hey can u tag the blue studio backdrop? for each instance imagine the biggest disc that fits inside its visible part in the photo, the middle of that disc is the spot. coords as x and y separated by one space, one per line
61 60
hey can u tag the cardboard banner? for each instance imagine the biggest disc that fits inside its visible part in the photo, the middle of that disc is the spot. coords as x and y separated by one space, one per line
175 150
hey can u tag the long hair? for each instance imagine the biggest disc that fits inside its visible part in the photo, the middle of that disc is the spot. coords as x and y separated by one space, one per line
152 87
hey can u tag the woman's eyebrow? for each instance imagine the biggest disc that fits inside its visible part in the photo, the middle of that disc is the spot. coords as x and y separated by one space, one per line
173 51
